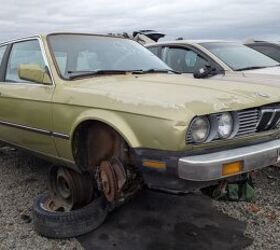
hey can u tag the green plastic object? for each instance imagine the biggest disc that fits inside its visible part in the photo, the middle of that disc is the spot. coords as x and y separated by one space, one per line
239 191
233 192
248 192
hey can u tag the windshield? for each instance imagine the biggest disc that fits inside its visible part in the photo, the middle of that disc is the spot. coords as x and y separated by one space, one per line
268 49
238 56
88 53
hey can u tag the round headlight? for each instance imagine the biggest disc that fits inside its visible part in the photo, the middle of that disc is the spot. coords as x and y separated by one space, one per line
225 125
200 129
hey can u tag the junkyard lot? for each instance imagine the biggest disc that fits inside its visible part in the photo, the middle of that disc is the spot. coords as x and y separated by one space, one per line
22 177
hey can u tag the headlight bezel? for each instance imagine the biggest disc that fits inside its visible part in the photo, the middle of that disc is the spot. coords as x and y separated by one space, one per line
213 132
191 129
219 130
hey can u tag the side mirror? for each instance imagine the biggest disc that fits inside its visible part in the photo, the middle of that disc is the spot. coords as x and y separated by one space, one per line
34 73
202 72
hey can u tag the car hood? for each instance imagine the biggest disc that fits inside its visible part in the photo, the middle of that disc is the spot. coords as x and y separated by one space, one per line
268 73
166 95
258 76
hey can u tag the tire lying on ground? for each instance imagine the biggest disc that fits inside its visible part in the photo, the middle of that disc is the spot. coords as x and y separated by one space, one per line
55 224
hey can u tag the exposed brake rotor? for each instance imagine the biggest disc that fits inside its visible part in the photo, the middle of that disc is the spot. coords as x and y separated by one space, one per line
113 177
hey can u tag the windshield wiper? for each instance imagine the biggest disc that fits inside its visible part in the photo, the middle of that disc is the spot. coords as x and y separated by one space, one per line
141 71
76 74
251 68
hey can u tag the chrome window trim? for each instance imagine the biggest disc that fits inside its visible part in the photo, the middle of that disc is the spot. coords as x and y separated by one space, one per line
43 51
46 59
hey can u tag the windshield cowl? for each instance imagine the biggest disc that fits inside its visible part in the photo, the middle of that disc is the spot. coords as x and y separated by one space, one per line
77 74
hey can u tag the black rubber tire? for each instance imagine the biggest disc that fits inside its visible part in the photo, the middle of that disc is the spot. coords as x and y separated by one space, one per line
68 224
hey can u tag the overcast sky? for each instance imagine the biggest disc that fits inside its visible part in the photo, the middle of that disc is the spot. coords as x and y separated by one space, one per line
191 19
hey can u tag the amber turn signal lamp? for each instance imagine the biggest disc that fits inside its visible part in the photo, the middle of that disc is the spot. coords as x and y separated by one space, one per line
232 168
154 164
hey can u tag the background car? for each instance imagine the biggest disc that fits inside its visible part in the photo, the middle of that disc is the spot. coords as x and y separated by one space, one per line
271 49
207 58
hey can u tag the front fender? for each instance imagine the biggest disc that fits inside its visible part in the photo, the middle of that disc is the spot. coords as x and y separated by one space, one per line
137 130
110 118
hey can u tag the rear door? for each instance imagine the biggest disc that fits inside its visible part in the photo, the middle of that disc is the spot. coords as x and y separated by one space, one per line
25 107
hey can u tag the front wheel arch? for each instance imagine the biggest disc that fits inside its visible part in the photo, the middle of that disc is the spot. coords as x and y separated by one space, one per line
80 140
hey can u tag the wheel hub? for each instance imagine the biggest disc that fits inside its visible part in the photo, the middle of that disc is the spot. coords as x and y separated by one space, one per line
70 189
112 178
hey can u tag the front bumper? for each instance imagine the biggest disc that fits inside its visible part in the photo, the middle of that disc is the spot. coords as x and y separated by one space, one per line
208 167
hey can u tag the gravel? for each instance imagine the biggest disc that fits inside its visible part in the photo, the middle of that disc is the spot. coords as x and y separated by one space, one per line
22 177
263 214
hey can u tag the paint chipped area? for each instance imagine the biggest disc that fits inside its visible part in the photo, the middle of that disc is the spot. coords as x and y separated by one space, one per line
155 94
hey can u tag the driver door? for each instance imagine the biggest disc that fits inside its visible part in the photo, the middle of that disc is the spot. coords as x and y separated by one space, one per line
183 60
25 107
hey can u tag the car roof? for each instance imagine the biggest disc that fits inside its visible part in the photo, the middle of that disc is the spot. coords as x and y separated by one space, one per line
262 42
61 33
190 42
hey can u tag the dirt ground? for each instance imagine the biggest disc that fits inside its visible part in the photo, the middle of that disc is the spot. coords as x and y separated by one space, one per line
22 177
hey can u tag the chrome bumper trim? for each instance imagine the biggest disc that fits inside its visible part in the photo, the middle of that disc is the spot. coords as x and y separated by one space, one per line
208 167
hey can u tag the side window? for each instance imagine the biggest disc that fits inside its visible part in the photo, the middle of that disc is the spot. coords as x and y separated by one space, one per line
2 51
154 50
28 52
183 60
